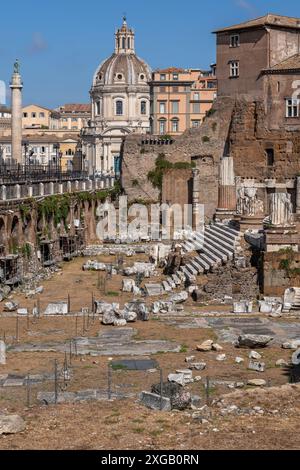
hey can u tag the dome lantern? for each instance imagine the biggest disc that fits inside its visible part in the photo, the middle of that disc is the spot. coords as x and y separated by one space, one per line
124 39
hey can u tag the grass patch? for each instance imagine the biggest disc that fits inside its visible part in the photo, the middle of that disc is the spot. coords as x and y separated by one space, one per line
112 293
119 367
138 430
183 348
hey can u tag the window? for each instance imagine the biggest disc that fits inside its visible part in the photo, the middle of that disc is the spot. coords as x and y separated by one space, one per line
123 43
42 115
175 107
270 157
128 43
65 119
175 89
196 124
234 69
162 126
43 150
292 108
211 85
142 76
74 128
196 108
143 107
119 108
33 115
162 89
162 76
25 115
74 119
175 125
162 107
235 40
175 76
98 108
119 76
196 96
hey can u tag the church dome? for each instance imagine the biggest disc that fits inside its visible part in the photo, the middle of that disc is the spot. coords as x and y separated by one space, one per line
123 67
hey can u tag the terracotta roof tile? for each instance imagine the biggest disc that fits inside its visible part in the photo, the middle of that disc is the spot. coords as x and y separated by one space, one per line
292 63
267 20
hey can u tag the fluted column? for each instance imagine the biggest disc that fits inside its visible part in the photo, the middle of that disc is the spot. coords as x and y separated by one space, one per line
16 115
227 190
281 209
298 195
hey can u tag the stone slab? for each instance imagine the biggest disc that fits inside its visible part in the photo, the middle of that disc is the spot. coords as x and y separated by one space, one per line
155 402
135 364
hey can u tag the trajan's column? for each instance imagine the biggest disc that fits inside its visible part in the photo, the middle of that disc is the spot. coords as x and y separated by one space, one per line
16 86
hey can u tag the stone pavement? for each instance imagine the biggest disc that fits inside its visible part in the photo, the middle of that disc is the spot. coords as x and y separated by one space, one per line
229 328
112 342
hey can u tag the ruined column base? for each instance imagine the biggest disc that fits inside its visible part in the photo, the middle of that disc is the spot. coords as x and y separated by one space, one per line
282 237
224 214
248 222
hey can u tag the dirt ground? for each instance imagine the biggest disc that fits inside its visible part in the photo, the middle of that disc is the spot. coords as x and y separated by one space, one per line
126 424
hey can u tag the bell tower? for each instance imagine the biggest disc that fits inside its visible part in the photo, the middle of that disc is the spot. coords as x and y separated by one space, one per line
124 38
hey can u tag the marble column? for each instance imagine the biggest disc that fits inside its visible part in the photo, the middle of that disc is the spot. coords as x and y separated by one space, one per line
2 353
298 195
227 190
196 199
16 86
281 209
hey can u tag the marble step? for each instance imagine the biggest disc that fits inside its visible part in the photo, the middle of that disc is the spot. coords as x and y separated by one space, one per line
205 266
200 265
229 248
176 279
231 232
166 286
214 248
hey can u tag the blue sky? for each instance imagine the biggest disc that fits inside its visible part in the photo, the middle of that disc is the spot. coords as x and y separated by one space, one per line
61 42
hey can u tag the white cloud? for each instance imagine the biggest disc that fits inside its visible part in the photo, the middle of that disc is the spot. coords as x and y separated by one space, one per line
38 44
248 6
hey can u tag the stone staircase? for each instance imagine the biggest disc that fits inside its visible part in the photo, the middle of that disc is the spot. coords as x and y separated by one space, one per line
215 246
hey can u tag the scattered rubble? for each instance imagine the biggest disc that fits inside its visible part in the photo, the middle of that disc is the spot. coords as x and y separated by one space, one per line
221 357
281 363
243 307
91 265
254 355
128 285
198 366
294 344
155 402
239 360
57 308
257 383
296 358
206 346
180 399
253 341
10 306
257 366
217 347
11 424
2 353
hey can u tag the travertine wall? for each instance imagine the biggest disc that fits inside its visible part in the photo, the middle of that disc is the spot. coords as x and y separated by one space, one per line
239 128
204 146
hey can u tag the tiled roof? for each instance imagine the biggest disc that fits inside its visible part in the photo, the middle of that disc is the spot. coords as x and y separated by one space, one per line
4 109
292 63
75 108
42 138
170 70
267 20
